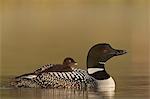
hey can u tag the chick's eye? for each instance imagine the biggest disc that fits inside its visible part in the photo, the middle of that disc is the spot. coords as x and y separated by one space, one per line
69 61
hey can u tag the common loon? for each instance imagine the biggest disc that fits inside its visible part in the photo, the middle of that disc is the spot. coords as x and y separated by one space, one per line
95 77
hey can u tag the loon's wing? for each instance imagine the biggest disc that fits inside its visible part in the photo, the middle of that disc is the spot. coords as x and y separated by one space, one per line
28 75
25 80
43 68
50 80
37 71
53 68
75 79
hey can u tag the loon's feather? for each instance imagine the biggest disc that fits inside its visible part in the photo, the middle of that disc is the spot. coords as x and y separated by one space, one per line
43 68
78 79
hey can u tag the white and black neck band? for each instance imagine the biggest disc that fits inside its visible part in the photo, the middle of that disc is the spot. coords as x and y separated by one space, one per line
93 70
103 63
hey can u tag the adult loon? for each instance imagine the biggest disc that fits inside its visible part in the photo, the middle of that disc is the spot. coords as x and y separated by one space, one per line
95 77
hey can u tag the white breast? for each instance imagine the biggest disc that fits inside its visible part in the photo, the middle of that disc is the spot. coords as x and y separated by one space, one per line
106 85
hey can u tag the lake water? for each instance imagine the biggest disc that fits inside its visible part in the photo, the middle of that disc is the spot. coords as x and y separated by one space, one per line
131 87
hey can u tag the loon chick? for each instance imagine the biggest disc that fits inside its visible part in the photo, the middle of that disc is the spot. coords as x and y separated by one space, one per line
67 66
95 77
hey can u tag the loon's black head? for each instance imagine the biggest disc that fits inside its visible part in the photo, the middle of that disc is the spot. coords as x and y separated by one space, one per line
100 53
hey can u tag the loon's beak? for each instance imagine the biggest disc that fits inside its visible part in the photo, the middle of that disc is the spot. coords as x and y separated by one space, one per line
119 52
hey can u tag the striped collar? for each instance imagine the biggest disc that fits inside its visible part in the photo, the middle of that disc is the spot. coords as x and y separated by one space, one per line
102 63
93 70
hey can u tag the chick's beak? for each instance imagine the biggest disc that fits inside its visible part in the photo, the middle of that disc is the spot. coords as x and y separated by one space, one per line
75 63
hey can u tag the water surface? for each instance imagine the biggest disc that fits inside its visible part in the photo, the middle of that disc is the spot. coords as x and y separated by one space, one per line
131 87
